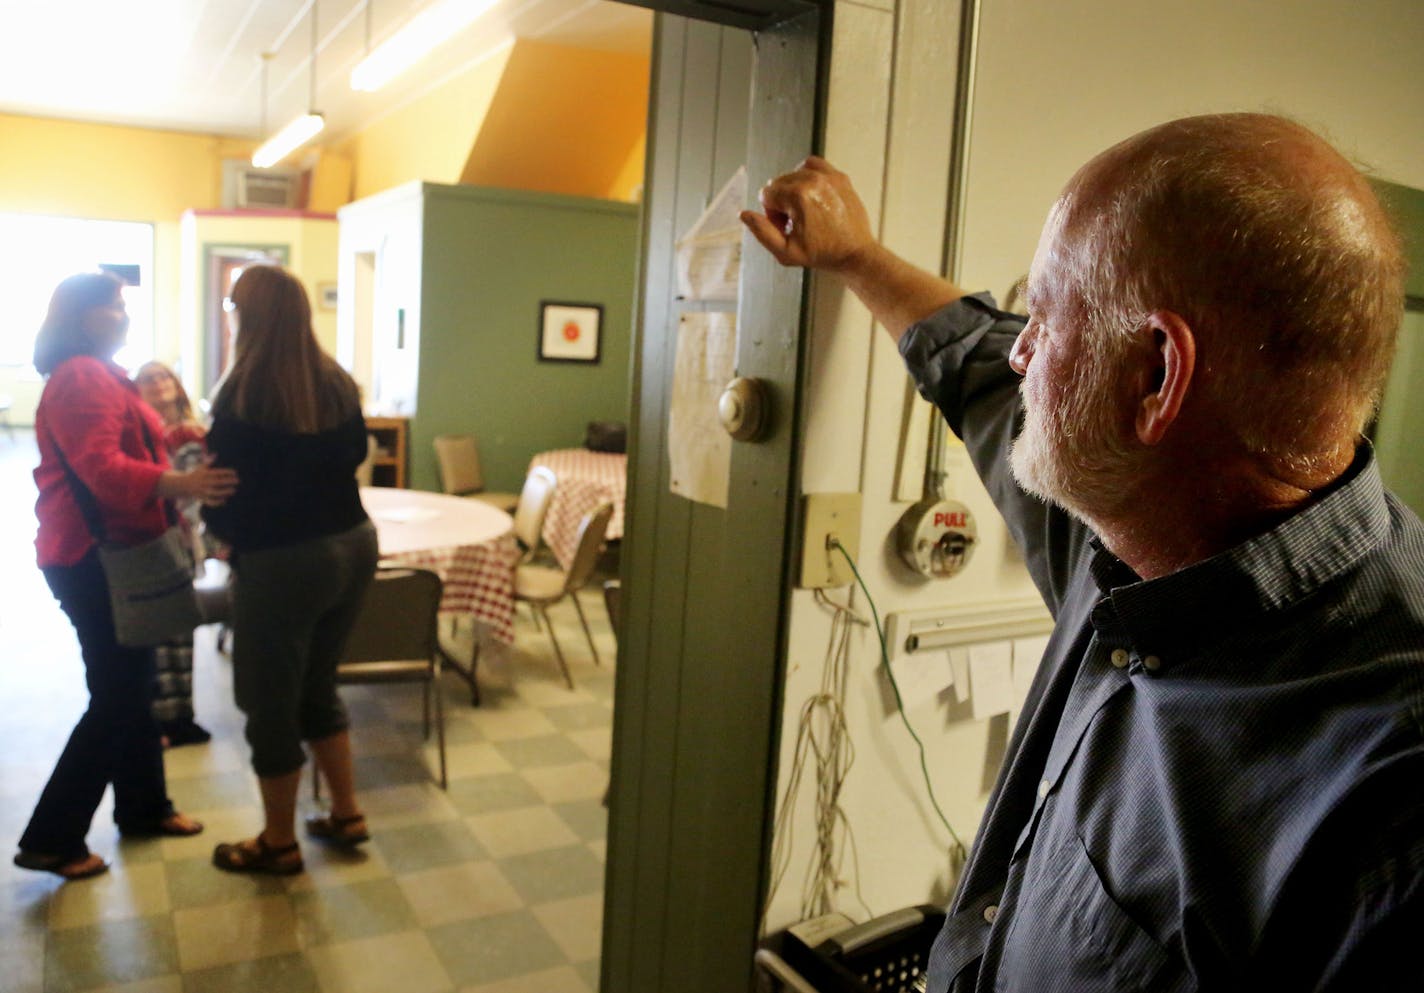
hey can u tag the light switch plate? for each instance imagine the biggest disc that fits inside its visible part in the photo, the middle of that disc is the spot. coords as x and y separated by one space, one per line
824 515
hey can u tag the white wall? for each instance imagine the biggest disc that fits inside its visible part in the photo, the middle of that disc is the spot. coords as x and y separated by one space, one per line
1057 82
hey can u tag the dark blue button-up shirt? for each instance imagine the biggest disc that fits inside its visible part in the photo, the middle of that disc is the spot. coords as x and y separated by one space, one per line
1217 782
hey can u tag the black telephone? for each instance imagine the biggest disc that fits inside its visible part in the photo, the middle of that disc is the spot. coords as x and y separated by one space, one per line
830 954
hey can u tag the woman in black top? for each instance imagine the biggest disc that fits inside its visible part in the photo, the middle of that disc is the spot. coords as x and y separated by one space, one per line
288 419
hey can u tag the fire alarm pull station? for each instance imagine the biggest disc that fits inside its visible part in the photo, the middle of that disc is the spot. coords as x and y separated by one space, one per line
936 537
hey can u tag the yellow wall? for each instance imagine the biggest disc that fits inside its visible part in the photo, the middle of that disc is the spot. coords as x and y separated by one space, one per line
534 117
69 169
565 120
430 137
331 182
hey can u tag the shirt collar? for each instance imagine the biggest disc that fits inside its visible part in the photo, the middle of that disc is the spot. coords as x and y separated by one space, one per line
1171 616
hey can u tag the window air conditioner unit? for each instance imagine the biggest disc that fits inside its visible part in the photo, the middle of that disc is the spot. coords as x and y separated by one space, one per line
247 187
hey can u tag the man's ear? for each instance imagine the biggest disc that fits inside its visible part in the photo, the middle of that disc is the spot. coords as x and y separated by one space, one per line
1172 357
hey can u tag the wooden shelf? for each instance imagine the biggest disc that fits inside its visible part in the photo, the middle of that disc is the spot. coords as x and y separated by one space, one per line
388 468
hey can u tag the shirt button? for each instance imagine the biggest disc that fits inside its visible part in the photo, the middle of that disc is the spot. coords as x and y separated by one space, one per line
1044 787
1152 662
1118 658
991 913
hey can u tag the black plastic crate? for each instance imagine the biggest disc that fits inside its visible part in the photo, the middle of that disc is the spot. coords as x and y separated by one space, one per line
884 955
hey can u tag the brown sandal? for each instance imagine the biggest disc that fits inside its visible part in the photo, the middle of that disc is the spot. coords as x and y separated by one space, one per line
259 857
175 825
86 866
342 832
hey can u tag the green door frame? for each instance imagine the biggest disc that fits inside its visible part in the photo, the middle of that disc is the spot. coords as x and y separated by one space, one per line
703 638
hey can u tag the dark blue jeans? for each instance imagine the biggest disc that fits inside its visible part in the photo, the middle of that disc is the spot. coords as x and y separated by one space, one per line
116 740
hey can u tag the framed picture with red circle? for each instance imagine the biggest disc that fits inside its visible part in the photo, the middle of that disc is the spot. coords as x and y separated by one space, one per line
569 332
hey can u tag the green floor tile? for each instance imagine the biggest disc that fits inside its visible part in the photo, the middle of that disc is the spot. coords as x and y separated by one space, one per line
550 749
579 716
588 972
485 794
274 974
425 846
198 883
215 790
460 730
489 949
554 874
586 818
23 955
110 952
375 771
360 910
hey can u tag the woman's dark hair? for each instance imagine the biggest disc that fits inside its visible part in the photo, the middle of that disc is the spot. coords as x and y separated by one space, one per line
279 376
62 335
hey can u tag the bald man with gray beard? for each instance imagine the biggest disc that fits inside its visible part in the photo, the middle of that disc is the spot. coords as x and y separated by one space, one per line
1217 782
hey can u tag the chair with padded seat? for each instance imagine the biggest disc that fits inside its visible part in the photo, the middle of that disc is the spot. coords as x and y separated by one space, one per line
534 501
460 475
543 586
395 640
533 507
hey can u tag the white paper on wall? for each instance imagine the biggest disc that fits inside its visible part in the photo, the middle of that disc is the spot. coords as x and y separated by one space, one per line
709 254
921 676
991 679
699 449
1027 654
959 668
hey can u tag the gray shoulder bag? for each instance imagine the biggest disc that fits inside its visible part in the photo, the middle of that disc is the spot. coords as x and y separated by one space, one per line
151 584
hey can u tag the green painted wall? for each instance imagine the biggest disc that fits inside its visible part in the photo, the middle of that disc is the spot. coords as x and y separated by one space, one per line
1401 414
1406 205
490 257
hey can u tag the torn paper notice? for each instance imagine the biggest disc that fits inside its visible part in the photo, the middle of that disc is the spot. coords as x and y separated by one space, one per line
991 685
921 676
699 450
709 254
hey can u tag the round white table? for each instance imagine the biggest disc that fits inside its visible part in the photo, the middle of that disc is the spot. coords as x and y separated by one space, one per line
415 521
468 543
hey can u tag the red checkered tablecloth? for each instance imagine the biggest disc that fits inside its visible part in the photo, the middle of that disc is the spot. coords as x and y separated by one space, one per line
470 544
586 479
478 580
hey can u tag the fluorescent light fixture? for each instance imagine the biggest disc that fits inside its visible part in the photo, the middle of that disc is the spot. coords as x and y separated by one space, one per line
411 43
288 140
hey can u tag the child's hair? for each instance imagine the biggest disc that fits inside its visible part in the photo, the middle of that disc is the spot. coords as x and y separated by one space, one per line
184 407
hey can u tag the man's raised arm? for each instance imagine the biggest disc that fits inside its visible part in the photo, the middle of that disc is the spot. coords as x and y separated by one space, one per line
814 218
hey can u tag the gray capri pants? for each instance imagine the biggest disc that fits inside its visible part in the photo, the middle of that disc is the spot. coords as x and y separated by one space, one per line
292 610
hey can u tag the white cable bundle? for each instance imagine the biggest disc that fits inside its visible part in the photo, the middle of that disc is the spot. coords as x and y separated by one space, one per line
822 734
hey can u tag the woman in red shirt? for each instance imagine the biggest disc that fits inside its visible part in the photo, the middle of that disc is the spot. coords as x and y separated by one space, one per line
92 428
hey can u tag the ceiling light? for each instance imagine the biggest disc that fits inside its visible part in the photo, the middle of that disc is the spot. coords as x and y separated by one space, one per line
288 140
301 130
410 44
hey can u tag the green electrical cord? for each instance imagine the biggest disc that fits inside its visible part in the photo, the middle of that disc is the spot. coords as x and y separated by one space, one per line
899 701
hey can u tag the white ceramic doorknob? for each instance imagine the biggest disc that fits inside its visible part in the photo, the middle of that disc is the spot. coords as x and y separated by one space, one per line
742 408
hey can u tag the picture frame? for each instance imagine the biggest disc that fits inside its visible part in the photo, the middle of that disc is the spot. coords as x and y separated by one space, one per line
326 296
570 331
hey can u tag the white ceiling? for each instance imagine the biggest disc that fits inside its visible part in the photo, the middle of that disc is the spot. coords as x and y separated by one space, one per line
195 65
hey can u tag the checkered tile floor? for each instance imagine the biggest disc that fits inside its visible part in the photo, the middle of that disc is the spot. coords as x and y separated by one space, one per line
495 886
